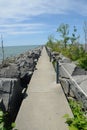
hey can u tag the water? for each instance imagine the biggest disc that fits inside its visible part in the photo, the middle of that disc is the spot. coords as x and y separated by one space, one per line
11 51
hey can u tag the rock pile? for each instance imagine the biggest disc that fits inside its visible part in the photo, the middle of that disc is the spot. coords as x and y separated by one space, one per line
73 78
74 81
15 75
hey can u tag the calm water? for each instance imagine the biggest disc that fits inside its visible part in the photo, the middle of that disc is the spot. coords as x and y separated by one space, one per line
15 50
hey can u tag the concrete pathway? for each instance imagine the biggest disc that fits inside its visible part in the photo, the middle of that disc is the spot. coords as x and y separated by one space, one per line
45 105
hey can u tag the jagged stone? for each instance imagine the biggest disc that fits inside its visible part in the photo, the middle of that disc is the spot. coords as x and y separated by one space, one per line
14 77
65 60
9 89
79 71
80 78
66 69
9 72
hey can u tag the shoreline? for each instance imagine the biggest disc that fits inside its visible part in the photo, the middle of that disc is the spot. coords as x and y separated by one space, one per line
11 51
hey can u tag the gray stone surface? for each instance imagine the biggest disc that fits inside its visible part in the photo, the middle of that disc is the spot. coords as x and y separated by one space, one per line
79 71
74 78
83 85
9 72
65 60
9 90
46 104
14 76
69 67
23 63
80 78
78 82
66 69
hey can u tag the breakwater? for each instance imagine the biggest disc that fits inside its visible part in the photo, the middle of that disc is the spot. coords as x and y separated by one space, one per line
15 75
72 78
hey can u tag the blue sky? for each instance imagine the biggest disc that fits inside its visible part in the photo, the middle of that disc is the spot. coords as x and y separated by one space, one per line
30 22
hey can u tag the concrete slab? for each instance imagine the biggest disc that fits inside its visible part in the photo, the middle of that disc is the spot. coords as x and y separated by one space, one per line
46 104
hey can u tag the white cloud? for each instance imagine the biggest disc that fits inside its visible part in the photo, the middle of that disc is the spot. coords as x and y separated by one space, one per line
13 12
25 32
22 25
21 9
15 29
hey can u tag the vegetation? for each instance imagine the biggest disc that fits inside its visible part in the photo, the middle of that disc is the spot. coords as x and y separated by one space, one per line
54 45
79 121
69 45
64 30
4 125
73 37
82 62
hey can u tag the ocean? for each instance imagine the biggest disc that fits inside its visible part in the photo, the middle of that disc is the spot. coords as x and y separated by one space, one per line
11 51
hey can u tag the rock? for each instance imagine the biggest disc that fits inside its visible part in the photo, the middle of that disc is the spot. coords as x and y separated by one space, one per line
77 81
80 78
24 63
9 91
82 82
9 72
15 76
25 79
66 69
79 71
65 60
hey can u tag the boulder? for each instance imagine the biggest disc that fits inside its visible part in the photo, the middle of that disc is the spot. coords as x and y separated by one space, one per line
9 72
14 78
67 69
65 60
10 91
79 71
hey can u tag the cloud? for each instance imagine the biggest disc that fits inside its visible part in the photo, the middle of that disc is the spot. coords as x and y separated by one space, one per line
20 28
22 25
14 12
22 9
25 32
26 8
79 6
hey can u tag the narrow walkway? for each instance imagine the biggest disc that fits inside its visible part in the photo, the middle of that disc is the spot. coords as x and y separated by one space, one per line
45 105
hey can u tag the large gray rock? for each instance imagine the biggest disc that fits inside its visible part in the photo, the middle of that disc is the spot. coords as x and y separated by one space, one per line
9 72
14 77
64 59
79 71
80 78
82 82
74 82
66 69
23 64
10 91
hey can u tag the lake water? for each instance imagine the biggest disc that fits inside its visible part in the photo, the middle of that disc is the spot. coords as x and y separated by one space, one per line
15 50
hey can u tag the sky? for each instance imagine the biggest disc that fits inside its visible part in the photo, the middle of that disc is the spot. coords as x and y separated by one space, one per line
31 22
